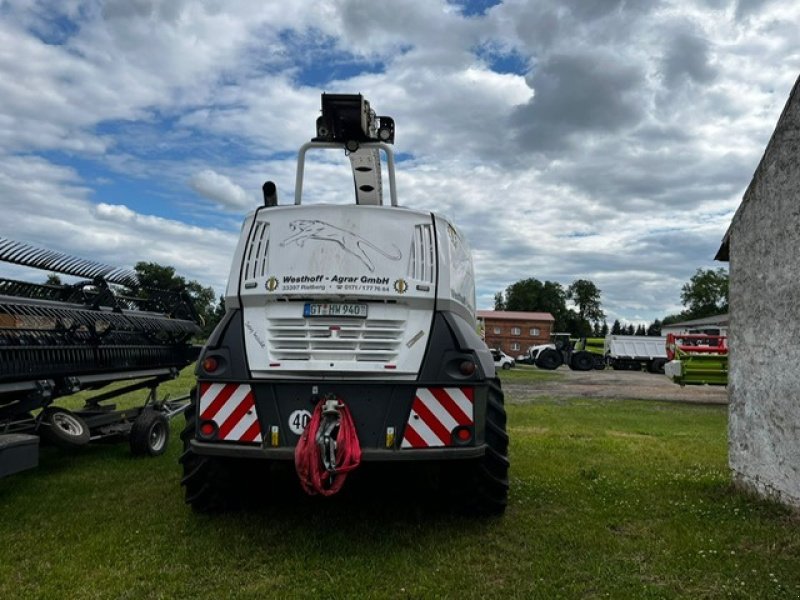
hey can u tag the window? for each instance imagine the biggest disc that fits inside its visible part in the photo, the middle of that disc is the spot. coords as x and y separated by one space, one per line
516 331
534 331
497 330
515 345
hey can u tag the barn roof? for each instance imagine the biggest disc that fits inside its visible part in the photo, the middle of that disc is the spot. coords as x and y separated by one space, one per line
515 315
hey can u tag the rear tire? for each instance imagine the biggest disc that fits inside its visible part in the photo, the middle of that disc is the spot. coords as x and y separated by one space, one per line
582 361
506 366
206 479
480 487
548 359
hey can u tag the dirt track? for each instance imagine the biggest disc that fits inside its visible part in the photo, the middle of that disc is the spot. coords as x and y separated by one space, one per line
615 384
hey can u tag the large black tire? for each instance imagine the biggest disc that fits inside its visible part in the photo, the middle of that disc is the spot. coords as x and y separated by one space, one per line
582 361
656 365
203 478
214 484
149 434
480 487
63 428
549 359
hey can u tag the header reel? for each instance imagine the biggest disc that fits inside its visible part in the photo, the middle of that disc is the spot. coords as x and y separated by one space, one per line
53 331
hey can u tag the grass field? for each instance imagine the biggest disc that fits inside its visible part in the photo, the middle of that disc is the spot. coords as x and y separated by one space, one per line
609 499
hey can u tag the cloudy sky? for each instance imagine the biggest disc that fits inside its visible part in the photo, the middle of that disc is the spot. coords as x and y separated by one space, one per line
604 139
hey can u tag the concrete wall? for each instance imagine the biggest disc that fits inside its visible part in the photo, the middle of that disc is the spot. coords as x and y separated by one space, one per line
764 378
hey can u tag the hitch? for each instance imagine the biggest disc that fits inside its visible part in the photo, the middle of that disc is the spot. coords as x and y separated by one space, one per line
328 432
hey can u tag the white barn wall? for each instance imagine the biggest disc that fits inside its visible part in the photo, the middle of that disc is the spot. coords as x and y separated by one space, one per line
764 336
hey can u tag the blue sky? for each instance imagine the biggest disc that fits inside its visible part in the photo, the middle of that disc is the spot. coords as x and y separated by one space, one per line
609 140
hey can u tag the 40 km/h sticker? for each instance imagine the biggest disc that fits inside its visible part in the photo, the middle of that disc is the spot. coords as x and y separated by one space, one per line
298 421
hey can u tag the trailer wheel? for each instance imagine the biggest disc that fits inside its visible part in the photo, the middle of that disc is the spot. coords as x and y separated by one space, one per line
656 365
63 428
582 361
149 434
480 487
548 359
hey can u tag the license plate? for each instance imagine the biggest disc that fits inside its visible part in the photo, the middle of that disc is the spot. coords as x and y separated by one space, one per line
318 309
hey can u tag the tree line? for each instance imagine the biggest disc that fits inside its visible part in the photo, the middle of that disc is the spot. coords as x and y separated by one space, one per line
533 295
704 295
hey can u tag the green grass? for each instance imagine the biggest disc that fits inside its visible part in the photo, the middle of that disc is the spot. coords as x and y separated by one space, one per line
616 499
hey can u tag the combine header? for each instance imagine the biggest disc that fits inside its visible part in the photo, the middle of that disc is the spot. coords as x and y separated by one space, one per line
697 359
350 336
58 339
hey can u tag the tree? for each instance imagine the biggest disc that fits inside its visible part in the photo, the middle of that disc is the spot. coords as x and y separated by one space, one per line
655 328
160 277
604 329
533 295
616 328
499 301
53 279
640 330
574 325
216 315
706 293
586 296
670 319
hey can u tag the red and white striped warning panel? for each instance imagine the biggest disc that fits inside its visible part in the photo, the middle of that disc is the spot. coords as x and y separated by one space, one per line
435 413
231 407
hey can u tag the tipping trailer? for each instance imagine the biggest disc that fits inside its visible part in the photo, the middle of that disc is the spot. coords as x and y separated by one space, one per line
59 339
349 328
635 352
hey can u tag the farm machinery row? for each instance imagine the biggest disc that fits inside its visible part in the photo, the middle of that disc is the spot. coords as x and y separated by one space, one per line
620 352
694 358
57 339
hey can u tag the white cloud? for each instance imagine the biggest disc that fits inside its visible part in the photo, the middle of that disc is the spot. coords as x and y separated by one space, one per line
221 189
51 208
619 155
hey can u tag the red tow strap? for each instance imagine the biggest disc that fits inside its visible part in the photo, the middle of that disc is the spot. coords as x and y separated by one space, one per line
314 477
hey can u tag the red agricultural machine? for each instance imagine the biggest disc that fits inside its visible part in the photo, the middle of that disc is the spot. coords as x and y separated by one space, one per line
697 359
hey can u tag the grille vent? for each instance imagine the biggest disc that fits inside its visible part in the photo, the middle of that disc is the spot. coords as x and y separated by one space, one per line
369 340
256 253
423 254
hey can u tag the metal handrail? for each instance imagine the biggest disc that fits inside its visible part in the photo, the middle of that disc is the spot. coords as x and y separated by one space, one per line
301 158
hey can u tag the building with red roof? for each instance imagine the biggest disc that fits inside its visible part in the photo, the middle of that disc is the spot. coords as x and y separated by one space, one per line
513 332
